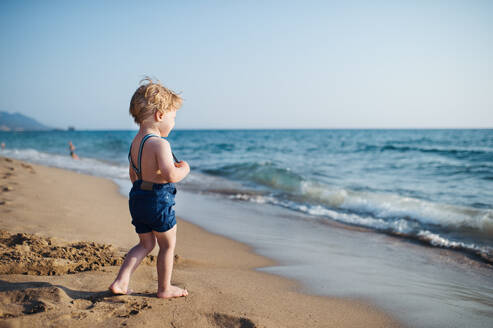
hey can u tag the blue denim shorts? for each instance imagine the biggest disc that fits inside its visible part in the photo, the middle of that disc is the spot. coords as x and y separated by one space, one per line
152 210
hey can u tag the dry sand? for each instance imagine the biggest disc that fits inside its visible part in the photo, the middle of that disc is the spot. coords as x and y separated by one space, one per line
64 235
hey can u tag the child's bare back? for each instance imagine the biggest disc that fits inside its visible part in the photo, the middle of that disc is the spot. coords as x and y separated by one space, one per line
153 172
157 160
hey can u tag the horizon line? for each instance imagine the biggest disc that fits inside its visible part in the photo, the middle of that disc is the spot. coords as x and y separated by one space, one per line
264 129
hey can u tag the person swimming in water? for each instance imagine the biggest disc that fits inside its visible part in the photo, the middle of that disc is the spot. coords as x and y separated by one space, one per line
72 150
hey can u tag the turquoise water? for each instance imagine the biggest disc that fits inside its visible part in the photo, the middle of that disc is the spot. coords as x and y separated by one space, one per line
287 193
434 186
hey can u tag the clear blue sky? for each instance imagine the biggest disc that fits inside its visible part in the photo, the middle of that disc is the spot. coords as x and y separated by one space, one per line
250 64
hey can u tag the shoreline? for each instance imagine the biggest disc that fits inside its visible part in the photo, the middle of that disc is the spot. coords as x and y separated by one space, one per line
221 274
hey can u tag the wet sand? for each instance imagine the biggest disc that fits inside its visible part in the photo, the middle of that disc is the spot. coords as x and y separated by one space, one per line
63 237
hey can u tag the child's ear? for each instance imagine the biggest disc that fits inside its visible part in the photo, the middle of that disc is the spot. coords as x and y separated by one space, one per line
159 116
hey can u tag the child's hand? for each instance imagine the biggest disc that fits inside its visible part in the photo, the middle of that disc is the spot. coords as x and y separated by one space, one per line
183 166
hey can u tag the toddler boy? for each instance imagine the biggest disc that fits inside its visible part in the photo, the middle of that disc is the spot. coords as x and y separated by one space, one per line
153 173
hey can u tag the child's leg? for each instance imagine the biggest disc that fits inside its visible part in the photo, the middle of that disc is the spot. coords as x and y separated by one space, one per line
167 241
132 261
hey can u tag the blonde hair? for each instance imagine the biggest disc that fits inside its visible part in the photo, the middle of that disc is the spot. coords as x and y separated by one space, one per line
151 97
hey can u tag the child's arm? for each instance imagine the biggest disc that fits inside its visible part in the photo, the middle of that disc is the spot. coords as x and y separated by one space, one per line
170 171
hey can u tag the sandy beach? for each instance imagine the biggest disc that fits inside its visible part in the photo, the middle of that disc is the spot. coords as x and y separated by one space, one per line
64 235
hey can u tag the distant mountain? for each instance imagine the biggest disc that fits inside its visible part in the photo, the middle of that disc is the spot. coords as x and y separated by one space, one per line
19 122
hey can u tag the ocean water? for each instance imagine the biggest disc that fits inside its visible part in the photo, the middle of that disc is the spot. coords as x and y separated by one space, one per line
400 218
432 186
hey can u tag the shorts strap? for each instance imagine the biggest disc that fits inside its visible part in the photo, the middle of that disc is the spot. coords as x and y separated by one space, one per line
147 136
138 170
132 162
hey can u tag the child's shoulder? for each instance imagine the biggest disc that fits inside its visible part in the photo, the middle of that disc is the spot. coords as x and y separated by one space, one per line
159 144
150 139
154 143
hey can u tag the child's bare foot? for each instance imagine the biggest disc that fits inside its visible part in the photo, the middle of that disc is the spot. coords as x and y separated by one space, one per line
117 290
172 292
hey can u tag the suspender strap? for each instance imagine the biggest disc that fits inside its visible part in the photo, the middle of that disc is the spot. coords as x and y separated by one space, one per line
174 157
139 169
139 173
130 160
